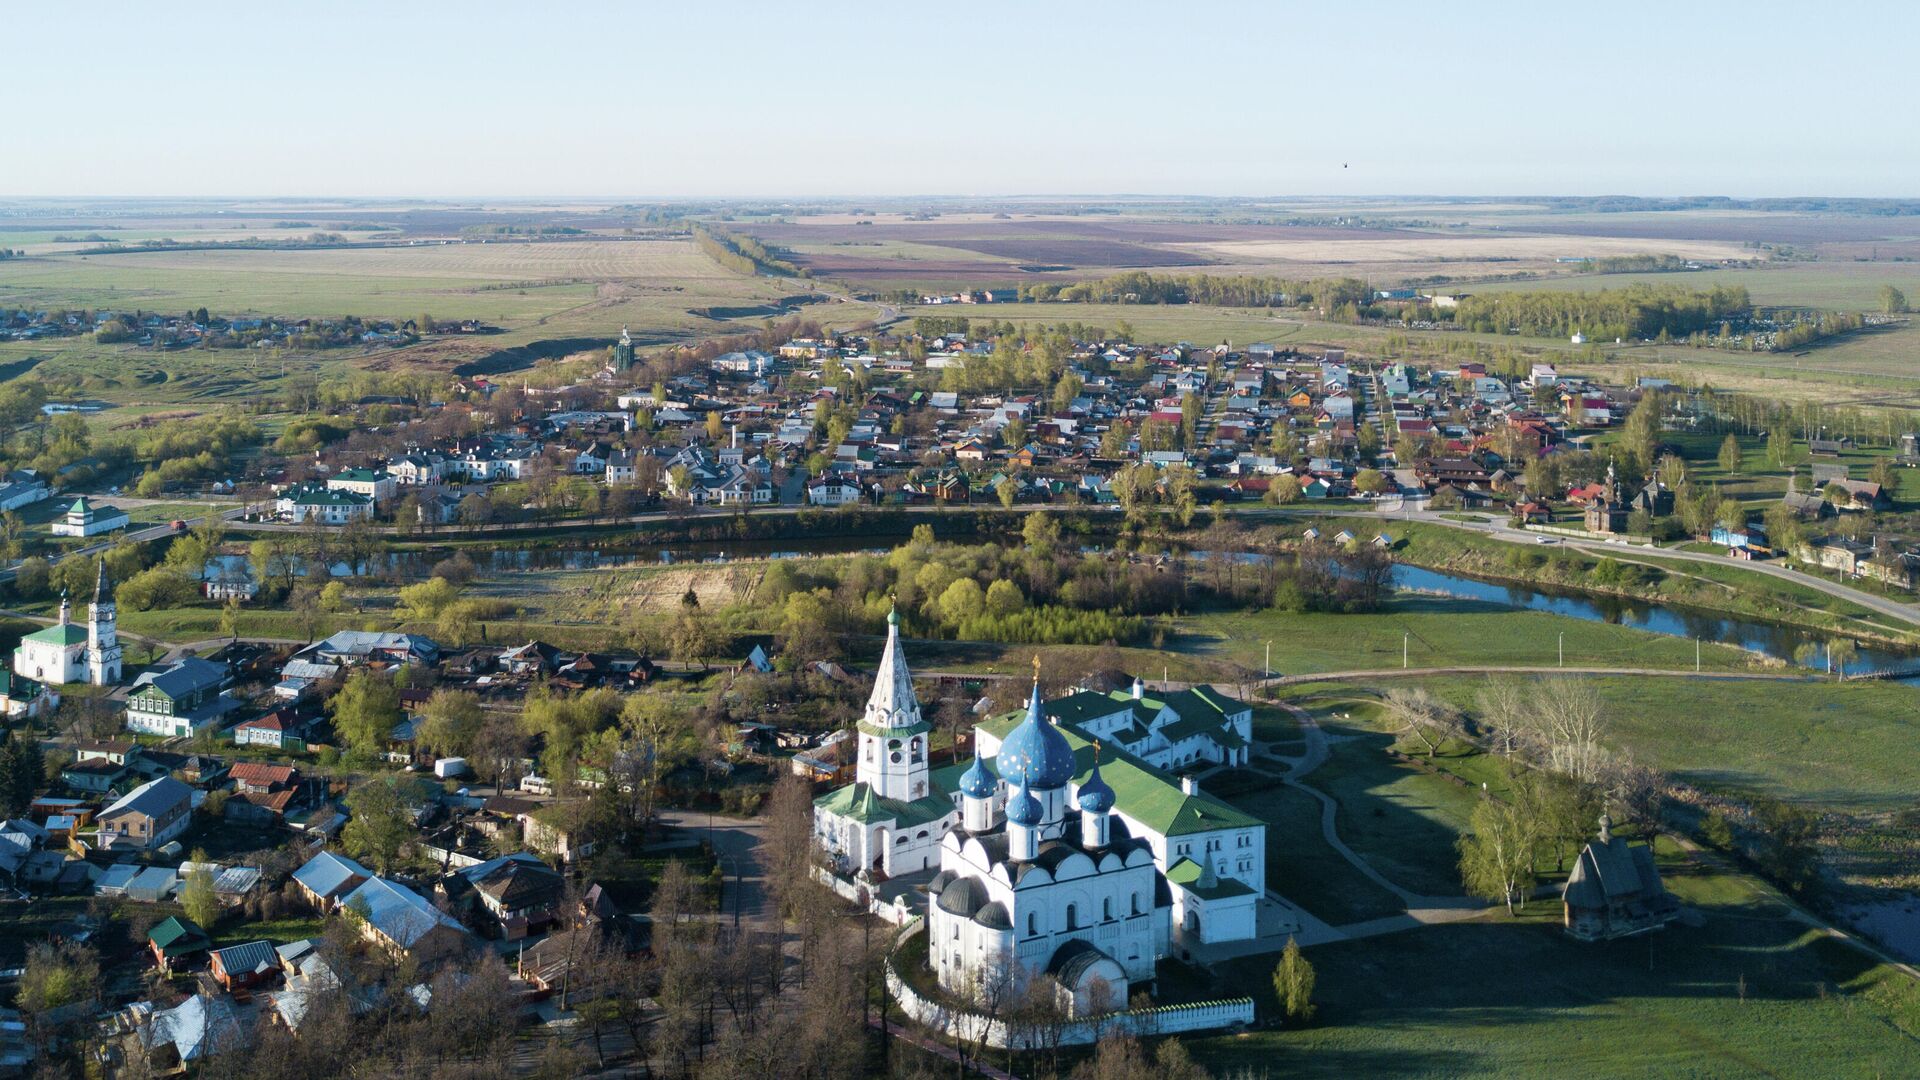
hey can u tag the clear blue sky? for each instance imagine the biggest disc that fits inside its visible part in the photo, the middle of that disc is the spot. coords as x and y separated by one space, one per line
813 99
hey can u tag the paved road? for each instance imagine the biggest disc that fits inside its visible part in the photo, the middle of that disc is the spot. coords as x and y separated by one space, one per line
736 842
152 532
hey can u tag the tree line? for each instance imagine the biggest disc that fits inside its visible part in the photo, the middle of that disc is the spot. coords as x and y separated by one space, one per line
1635 312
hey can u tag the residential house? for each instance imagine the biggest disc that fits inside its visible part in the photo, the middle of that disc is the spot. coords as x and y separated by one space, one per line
316 503
328 877
519 894
176 942
182 699
148 816
281 729
378 485
401 921
243 967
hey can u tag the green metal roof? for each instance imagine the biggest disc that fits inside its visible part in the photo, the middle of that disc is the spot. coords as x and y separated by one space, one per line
177 936
60 634
859 803
1186 873
1142 792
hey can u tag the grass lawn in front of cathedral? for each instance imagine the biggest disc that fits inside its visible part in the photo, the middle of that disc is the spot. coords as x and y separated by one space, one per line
1301 865
1744 991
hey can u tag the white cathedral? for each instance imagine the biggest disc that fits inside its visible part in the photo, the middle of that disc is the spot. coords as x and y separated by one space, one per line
69 653
1049 852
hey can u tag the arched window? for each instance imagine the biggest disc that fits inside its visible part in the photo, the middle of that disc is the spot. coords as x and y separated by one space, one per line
1073 916
1136 903
1106 908
956 930
1033 924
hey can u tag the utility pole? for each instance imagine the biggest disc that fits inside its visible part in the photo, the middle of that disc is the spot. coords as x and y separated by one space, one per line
1563 648
1404 636
1269 658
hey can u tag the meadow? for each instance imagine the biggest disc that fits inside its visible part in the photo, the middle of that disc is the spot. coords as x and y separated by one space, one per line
584 290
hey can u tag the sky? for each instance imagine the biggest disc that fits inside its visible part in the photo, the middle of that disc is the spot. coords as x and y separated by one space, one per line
723 99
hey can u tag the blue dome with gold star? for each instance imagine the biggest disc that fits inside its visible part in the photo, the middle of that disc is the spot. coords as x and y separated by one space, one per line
1023 808
977 782
1095 796
1035 754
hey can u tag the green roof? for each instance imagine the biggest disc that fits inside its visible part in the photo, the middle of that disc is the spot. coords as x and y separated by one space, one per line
1146 794
858 802
1186 873
894 732
60 634
79 506
177 936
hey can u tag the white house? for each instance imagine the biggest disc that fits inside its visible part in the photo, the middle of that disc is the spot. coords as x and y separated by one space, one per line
318 503
376 484
85 518
832 489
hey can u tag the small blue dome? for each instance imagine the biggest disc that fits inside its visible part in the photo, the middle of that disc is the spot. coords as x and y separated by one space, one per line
1023 808
977 782
1095 796
1035 754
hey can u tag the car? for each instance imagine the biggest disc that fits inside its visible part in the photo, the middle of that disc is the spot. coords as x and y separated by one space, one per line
178 525
1545 540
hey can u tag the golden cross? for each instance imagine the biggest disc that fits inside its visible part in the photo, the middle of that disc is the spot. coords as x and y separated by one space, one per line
1036 667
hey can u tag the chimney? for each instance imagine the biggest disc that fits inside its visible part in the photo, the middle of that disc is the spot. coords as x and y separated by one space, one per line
1138 689
1189 786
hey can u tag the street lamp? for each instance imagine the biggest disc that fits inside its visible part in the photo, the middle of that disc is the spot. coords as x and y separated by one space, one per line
1563 648
1269 658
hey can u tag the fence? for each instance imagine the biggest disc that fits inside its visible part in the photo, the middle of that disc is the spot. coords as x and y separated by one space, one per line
999 1034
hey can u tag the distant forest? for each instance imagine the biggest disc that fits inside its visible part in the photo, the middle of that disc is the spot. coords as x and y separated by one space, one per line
1635 312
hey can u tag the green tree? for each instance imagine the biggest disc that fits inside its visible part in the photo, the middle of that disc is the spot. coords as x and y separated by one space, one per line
380 826
197 895
961 601
1841 652
1040 531
449 721
1730 454
1369 481
1892 300
1283 489
1293 980
365 711
1496 853
1004 598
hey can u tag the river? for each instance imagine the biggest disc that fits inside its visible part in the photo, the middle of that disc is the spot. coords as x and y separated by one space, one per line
1762 637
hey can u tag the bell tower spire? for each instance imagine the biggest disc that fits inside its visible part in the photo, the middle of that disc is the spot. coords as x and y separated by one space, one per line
103 641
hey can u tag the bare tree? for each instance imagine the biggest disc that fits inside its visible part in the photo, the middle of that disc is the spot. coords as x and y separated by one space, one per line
1423 716
1573 722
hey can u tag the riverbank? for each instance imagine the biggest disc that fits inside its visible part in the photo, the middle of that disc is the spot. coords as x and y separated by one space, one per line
1635 576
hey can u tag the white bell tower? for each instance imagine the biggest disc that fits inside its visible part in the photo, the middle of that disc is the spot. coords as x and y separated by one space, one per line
893 735
103 642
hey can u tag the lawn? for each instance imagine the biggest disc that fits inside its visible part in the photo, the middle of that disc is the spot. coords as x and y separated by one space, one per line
1747 993
1437 632
1301 866
279 931
1400 817
1840 745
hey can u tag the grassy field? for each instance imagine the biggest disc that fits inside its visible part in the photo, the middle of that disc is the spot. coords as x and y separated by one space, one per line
584 289
1837 745
1437 632
1747 992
